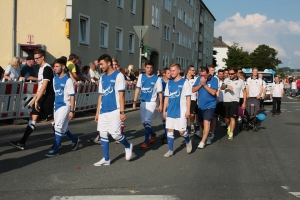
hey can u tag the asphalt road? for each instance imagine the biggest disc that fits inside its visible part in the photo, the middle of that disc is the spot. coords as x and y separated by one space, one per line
255 165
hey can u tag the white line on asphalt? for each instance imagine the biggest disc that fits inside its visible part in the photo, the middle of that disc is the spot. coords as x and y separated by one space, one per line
296 194
117 197
285 187
289 102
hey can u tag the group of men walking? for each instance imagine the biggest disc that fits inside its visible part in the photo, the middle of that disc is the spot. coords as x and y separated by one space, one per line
204 97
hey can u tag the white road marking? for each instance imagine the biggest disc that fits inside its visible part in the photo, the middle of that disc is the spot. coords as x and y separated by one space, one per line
117 197
285 187
289 102
296 194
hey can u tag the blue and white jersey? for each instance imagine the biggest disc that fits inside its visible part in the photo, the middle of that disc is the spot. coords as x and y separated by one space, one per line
177 93
109 87
63 89
149 86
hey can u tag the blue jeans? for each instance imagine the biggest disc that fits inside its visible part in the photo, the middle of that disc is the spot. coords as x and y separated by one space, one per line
288 91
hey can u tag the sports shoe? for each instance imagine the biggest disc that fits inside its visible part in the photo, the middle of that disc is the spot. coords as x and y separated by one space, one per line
192 129
228 130
144 145
230 136
201 145
102 162
189 147
75 145
128 152
223 124
152 139
51 153
168 154
17 144
208 140
96 140
199 134
52 147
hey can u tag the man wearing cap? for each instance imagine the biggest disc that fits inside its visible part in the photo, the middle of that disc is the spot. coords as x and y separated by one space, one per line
27 70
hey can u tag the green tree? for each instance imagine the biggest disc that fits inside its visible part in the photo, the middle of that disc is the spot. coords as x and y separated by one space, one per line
280 72
237 57
264 57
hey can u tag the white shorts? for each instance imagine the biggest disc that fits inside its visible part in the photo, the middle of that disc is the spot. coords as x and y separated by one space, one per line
61 118
178 124
147 111
110 122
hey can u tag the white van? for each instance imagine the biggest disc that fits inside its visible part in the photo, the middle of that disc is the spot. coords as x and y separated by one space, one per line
268 76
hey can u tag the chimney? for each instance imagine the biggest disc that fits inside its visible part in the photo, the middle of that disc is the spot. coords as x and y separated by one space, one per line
220 38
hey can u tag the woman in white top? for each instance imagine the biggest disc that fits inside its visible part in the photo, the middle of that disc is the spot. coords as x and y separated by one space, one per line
13 70
294 87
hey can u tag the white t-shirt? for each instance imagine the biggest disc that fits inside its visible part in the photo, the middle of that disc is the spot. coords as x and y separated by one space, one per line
277 89
294 85
233 95
254 86
221 94
94 74
242 93
192 82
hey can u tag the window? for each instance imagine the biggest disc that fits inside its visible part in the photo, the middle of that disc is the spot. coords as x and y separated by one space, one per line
180 13
175 3
166 61
120 4
196 27
192 2
166 32
131 42
155 15
168 5
103 34
119 39
179 38
132 6
173 50
174 24
84 29
198 8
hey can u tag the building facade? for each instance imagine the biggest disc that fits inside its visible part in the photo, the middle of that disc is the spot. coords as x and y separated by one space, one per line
178 30
221 49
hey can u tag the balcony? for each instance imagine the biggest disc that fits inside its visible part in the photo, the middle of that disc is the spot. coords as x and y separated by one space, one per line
200 55
200 37
201 20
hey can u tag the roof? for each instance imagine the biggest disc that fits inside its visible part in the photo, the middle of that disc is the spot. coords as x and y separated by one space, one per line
219 43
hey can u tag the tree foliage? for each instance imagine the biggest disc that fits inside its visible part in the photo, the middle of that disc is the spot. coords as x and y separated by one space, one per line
264 57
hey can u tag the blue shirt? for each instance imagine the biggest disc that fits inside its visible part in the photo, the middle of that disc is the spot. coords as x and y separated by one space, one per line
177 93
205 99
149 86
63 88
109 88
27 71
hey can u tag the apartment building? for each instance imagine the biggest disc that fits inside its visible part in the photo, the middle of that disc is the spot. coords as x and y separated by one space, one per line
178 30
221 49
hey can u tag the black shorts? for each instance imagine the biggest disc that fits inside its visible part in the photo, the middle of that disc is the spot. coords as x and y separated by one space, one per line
46 104
194 107
230 109
262 103
219 109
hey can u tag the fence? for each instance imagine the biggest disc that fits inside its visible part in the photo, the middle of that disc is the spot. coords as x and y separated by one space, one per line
15 98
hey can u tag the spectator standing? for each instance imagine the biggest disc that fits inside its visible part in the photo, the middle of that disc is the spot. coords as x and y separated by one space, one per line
27 71
276 94
288 87
298 87
294 87
94 74
13 70
263 94
86 72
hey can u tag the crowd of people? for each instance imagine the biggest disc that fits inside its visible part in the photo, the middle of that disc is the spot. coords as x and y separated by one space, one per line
183 99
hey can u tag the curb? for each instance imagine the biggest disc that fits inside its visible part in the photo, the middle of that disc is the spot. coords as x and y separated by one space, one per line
13 129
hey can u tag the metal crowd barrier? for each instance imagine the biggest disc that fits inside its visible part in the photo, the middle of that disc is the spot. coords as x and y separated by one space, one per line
15 98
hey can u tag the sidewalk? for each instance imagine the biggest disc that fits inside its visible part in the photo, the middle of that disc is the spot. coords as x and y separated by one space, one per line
79 117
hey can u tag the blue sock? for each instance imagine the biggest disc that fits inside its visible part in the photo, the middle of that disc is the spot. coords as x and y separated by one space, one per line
71 136
57 141
148 132
124 141
186 137
170 140
105 148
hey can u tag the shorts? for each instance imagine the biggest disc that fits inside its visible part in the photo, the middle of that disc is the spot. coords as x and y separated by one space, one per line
194 107
46 104
110 122
261 103
147 111
219 109
178 124
61 118
230 109
207 114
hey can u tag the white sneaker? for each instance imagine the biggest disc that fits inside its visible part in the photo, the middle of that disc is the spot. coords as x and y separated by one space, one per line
201 145
168 154
128 152
208 140
199 134
189 146
102 162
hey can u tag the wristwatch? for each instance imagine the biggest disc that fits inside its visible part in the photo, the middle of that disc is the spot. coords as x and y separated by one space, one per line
122 112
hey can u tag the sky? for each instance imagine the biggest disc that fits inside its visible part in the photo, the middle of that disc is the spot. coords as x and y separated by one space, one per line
251 23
